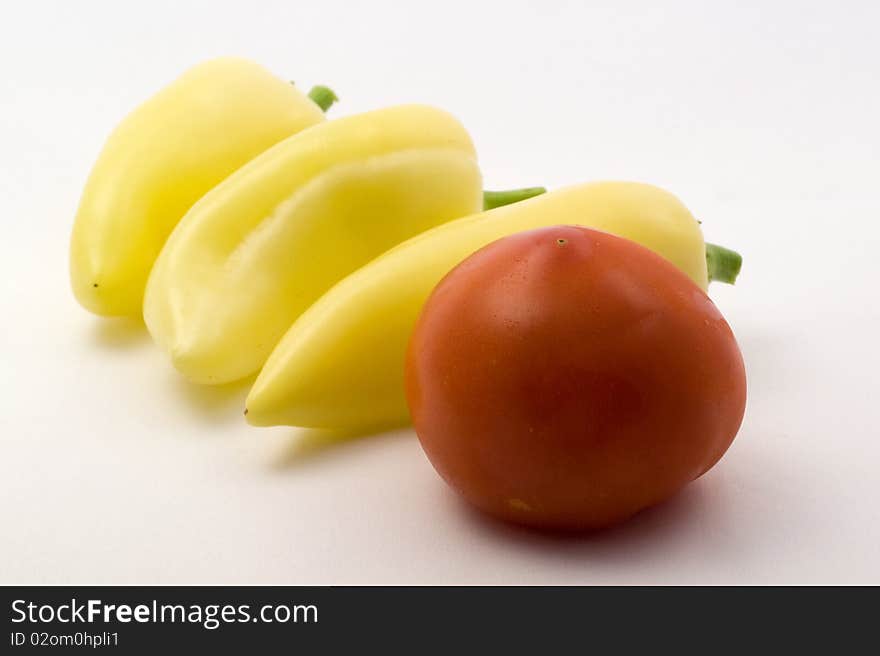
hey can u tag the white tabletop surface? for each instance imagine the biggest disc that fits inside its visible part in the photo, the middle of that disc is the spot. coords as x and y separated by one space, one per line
762 117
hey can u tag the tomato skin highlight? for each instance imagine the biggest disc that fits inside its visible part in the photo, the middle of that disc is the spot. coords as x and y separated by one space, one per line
567 378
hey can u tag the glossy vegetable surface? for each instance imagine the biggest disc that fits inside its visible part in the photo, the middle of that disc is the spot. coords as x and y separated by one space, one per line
263 245
567 378
341 364
161 159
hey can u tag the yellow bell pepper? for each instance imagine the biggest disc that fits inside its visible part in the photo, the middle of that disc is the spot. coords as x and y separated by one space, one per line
162 158
263 245
341 364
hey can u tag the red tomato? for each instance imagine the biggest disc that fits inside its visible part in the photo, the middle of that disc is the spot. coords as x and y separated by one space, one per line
568 378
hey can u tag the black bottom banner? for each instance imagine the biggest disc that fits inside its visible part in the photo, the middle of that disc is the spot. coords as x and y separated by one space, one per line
329 619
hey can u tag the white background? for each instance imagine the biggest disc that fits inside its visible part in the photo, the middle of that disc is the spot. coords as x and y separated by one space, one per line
761 116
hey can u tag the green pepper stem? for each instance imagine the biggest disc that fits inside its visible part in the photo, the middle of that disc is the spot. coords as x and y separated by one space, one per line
323 97
722 263
493 199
